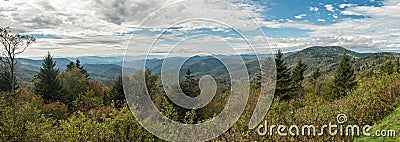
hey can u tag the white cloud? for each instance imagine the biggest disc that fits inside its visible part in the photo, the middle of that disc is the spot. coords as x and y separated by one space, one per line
91 25
315 9
321 20
345 5
390 9
330 8
346 12
380 31
300 16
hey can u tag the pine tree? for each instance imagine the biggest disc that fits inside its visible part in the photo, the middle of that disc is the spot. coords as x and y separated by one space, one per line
151 83
77 64
315 75
388 68
344 78
5 83
283 78
70 66
188 75
189 85
298 76
46 82
167 108
117 93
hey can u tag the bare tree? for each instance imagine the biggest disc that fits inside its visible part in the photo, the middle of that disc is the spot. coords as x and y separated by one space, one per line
14 44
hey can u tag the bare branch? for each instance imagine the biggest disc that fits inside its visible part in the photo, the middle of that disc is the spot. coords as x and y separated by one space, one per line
13 44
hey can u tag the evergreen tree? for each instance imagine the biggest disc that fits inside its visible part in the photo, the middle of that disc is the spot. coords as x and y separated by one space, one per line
70 66
388 68
151 83
188 75
344 78
189 85
315 75
167 108
77 64
5 83
298 76
256 80
190 88
117 93
46 82
283 78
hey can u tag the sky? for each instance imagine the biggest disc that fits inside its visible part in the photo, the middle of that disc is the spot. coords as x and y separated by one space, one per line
71 28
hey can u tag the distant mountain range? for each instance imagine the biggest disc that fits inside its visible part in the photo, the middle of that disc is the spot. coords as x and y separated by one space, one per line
106 68
102 71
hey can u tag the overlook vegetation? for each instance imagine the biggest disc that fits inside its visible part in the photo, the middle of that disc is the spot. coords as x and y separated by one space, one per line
313 86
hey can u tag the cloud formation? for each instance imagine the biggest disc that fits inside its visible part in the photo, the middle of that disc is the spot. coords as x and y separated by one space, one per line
380 31
102 27
96 24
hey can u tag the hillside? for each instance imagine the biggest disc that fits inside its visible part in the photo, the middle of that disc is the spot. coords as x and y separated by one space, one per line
374 61
390 122
323 57
35 65
28 68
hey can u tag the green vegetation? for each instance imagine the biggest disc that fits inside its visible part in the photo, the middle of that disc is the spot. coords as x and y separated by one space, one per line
344 77
89 111
116 95
391 122
13 46
46 82
283 78
298 77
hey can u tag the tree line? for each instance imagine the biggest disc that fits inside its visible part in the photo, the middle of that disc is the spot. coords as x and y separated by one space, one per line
69 106
289 83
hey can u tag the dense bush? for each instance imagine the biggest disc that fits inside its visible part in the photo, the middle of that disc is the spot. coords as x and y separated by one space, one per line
90 111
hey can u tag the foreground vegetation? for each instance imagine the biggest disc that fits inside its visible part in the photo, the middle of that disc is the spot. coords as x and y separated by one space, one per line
99 114
391 122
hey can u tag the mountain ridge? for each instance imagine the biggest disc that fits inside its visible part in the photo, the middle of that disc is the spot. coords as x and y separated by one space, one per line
323 57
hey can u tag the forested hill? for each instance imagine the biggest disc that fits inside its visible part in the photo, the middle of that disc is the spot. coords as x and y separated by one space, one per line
323 57
27 68
327 57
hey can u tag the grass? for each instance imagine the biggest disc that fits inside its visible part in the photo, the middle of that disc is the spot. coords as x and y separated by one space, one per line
391 122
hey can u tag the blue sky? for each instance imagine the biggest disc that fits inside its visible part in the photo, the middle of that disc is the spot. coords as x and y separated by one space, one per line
107 28
283 10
